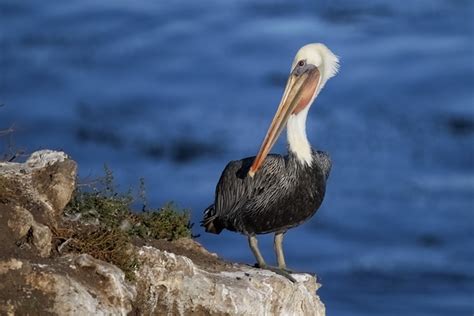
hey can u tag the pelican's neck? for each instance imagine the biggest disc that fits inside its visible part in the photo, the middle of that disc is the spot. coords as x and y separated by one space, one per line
297 141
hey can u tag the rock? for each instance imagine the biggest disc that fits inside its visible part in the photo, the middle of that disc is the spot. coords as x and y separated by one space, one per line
20 221
33 195
54 178
170 284
42 238
12 264
71 285
166 284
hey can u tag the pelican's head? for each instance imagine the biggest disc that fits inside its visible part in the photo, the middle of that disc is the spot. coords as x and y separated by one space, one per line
319 56
312 67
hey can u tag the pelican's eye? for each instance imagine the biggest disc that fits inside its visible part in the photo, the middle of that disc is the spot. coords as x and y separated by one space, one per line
301 63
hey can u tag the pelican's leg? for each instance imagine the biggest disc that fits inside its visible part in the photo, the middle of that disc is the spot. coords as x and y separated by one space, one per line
261 262
278 245
253 243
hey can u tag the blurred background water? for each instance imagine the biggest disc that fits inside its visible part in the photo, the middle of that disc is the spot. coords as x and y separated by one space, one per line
171 91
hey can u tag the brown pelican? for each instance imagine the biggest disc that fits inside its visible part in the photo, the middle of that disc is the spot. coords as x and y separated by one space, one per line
273 193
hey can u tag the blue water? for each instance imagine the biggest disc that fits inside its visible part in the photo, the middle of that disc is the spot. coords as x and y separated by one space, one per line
171 91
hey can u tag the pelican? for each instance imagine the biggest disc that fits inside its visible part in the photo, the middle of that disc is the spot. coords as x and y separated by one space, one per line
272 193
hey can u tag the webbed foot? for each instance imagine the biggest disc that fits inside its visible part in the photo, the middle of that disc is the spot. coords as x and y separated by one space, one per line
282 272
288 270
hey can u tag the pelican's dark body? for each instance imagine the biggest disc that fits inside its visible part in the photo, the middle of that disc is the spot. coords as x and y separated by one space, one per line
283 194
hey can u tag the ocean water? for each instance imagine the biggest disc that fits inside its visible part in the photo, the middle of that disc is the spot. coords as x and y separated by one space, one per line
171 91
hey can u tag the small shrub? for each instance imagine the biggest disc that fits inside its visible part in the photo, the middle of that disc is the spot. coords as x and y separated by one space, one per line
166 223
102 223
95 205
104 244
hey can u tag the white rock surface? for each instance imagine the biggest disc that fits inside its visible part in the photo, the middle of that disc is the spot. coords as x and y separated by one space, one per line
33 195
72 285
173 285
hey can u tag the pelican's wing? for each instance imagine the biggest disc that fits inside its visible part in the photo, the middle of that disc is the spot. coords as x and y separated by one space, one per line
239 196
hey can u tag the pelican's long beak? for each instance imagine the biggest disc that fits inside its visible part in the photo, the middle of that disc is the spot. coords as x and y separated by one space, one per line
298 94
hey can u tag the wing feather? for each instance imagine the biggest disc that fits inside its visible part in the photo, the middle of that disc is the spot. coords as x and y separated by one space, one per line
239 196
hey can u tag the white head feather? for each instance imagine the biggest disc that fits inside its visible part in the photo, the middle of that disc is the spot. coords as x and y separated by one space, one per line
320 56
328 65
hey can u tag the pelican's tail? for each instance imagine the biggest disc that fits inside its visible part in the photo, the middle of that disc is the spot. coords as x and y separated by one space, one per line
210 221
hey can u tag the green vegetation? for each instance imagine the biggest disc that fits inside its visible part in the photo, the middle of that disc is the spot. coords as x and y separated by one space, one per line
166 223
103 224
